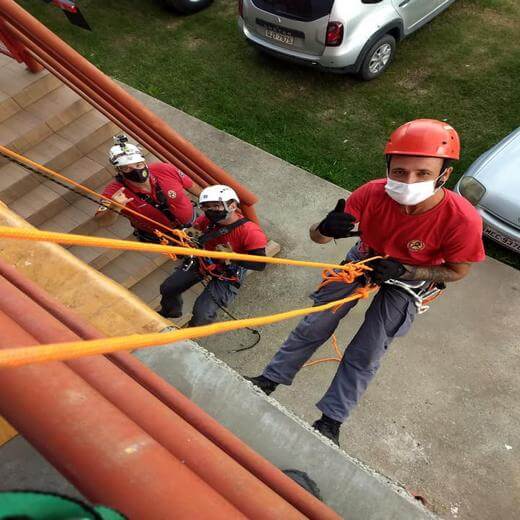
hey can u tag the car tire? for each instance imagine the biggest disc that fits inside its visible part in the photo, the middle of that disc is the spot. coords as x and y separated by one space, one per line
378 58
188 6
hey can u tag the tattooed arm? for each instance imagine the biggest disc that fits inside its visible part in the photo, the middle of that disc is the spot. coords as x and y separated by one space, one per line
437 273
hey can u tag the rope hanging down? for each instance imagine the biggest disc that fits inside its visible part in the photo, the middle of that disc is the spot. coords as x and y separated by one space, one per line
70 350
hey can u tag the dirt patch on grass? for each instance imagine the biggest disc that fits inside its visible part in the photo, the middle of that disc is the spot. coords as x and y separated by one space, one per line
289 93
193 43
174 24
491 17
415 81
329 115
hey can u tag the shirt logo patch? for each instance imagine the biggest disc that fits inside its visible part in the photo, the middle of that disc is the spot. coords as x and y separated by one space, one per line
172 194
416 245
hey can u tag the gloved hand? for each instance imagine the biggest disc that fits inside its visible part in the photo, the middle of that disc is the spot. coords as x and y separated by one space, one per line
193 232
337 224
385 269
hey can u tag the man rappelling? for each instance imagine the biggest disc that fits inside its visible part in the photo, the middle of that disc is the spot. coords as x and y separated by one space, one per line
156 190
222 227
426 235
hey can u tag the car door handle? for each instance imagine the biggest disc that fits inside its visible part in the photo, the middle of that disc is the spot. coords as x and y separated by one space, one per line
402 4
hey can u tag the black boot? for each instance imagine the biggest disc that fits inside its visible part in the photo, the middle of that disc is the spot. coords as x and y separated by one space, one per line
266 385
328 428
170 314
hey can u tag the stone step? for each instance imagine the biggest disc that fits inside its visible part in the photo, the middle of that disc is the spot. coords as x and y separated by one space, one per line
148 288
99 257
8 106
69 220
22 131
25 87
59 107
54 152
130 268
57 151
89 131
48 198
77 218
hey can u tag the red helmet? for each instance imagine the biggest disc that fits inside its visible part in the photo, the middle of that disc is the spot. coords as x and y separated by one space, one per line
425 137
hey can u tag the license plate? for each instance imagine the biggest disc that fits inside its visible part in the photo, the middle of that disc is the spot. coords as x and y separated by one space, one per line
502 239
279 37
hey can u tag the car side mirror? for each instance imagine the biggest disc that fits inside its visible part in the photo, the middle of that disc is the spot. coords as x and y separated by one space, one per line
371 1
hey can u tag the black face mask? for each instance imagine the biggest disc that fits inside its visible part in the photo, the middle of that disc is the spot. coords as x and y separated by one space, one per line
137 175
216 215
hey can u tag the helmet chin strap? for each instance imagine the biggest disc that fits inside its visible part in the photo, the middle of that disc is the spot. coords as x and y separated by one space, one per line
227 208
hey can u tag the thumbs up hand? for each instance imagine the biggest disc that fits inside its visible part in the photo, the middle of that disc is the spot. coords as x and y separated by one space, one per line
337 224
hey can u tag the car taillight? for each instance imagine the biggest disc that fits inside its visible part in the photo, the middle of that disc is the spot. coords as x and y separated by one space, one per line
241 8
334 34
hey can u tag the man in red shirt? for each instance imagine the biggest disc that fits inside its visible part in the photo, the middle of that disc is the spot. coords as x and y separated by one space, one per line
426 234
156 191
223 228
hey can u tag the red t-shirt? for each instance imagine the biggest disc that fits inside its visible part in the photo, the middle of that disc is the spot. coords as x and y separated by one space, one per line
247 237
449 232
172 183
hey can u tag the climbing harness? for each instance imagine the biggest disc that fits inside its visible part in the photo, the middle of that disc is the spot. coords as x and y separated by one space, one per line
423 293
161 202
207 268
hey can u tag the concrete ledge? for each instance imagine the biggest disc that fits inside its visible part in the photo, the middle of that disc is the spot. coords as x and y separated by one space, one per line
110 308
355 491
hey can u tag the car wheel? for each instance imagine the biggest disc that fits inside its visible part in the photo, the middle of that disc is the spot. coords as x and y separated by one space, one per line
378 57
188 6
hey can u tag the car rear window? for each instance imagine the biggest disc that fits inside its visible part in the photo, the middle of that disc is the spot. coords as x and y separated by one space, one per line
298 9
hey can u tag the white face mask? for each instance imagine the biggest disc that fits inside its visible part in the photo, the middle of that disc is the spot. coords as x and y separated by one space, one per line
411 194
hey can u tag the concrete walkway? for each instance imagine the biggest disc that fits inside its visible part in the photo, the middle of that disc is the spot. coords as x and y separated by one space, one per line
442 416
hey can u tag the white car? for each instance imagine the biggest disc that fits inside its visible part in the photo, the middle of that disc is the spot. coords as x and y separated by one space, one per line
350 36
492 185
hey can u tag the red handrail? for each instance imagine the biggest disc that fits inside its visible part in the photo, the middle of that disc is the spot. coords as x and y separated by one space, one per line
14 49
36 43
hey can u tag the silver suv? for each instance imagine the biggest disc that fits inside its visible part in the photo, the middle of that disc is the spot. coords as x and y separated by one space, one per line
351 36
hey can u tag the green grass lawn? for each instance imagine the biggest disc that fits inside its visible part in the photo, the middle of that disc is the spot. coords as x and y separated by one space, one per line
464 67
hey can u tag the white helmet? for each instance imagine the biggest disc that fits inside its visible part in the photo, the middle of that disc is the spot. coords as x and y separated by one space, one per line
123 152
218 193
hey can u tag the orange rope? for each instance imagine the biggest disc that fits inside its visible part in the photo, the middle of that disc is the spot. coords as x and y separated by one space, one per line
82 240
13 357
346 275
337 359
330 276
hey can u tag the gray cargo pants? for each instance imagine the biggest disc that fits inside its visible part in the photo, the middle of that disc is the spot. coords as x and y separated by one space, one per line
389 315
217 292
